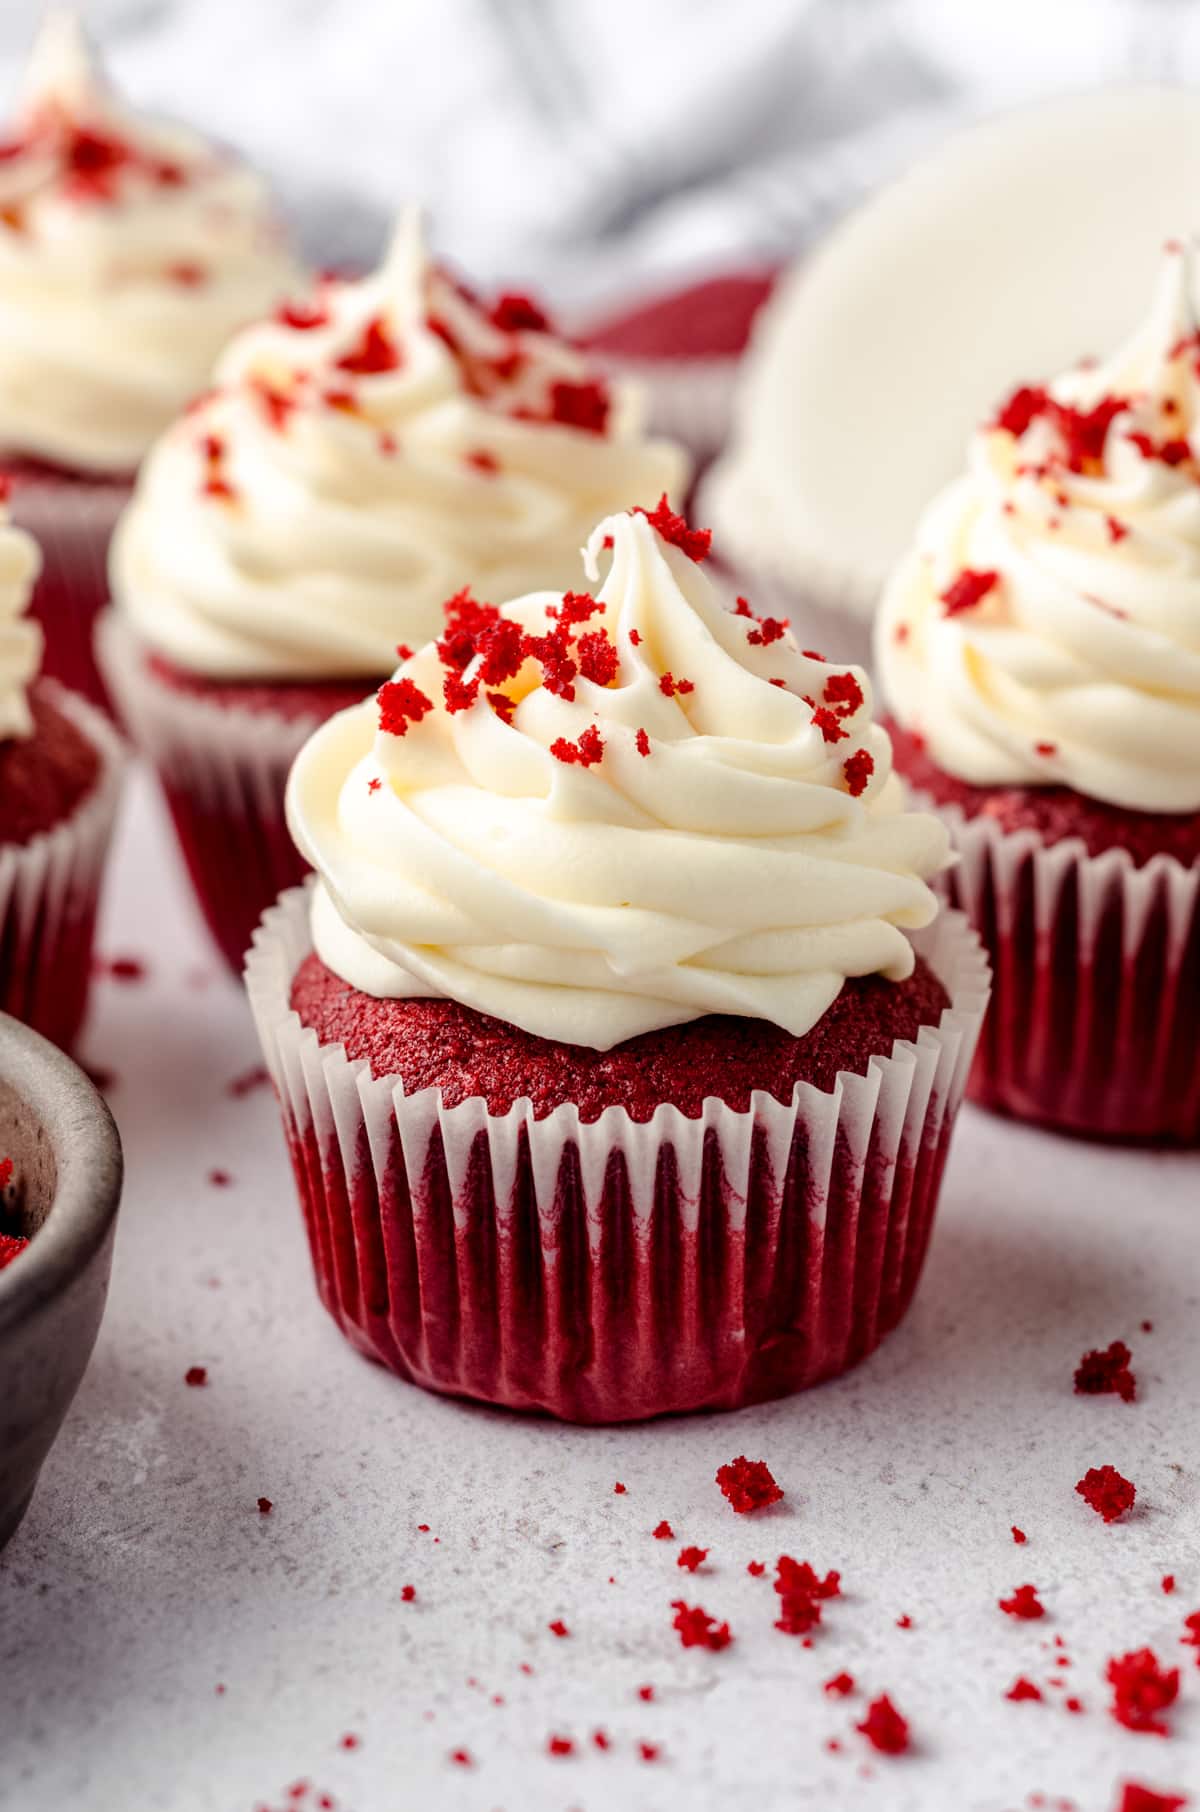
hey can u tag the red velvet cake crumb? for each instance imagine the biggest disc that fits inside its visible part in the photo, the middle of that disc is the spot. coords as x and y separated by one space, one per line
1168 1582
691 1558
1105 1371
756 1568
1142 1689
1053 812
558 1628
196 1376
290 699
265 1506
441 1044
1024 1603
664 1531
1107 1493
697 1629
1135 1798
695 543
649 1752
560 1745
1019 1536
618 1489
646 1694
748 1484
46 776
1023 1689
884 1728
11 1246
839 1686
601 1739
408 1594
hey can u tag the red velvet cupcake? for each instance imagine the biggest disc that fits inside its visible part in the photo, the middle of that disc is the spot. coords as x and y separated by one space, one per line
59 779
610 1078
1041 651
129 252
364 455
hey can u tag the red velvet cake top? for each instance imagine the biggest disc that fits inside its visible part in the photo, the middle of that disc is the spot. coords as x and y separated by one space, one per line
44 777
440 1044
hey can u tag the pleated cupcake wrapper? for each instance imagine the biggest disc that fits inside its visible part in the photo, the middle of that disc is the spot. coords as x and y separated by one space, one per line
72 521
49 890
224 771
1096 993
616 1270
689 400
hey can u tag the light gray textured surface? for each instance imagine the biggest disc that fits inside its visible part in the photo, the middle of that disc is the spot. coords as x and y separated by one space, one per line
144 1576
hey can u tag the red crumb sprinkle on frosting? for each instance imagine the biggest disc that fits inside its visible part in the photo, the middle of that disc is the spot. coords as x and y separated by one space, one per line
1192 1639
1019 1536
697 1629
461 1758
1142 1690
691 1558
408 1594
586 752
748 1484
1105 1371
884 1728
401 702
839 1686
1024 1603
664 1531
756 1568
1136 1798
674 529
969 589
618 1489
265 1506
1107 1492
558 1628
196 1376
1168 1582
1022 1688
857 770
560 1745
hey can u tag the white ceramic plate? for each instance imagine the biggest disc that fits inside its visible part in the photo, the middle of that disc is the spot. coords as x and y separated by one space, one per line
1018 247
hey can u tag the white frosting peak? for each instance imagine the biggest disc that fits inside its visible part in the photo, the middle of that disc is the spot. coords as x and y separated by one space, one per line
377 447
20 637
595 816
129 252
1046 628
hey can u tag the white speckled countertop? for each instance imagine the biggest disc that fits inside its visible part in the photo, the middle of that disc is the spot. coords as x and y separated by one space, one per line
164 1645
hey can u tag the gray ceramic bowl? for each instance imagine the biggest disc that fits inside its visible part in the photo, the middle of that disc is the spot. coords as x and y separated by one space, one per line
66 1186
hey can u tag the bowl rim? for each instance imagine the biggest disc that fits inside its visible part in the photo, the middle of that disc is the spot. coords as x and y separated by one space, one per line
89 1162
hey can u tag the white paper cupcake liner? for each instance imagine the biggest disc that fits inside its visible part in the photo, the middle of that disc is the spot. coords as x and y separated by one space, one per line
49 890
1096 993
224 770
616 1270
72 521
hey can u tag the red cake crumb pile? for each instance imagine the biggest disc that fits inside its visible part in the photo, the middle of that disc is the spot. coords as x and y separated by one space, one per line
1024 1603
691 1558
196 1375
265 1506
408 1594
1022 1688
1107 1493
840 1685
1135 1798
1168 1582
558 1628
560 1745
1105 1371
756 1568
646 1694
1142 1689
801 1593
649 1752
884 1728
748 1484
695 543
697 1629
618 1489
664 1531
1019 1536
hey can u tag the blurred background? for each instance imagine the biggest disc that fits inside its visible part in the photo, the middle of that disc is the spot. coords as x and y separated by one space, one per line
605 150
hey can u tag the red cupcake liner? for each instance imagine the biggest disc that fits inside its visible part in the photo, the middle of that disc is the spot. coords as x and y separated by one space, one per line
223 769
611 1271
1096 982
49 892
72 521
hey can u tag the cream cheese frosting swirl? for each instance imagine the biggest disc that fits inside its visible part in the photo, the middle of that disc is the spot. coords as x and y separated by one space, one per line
129 252
1046 627
20 636
595 816
363 457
